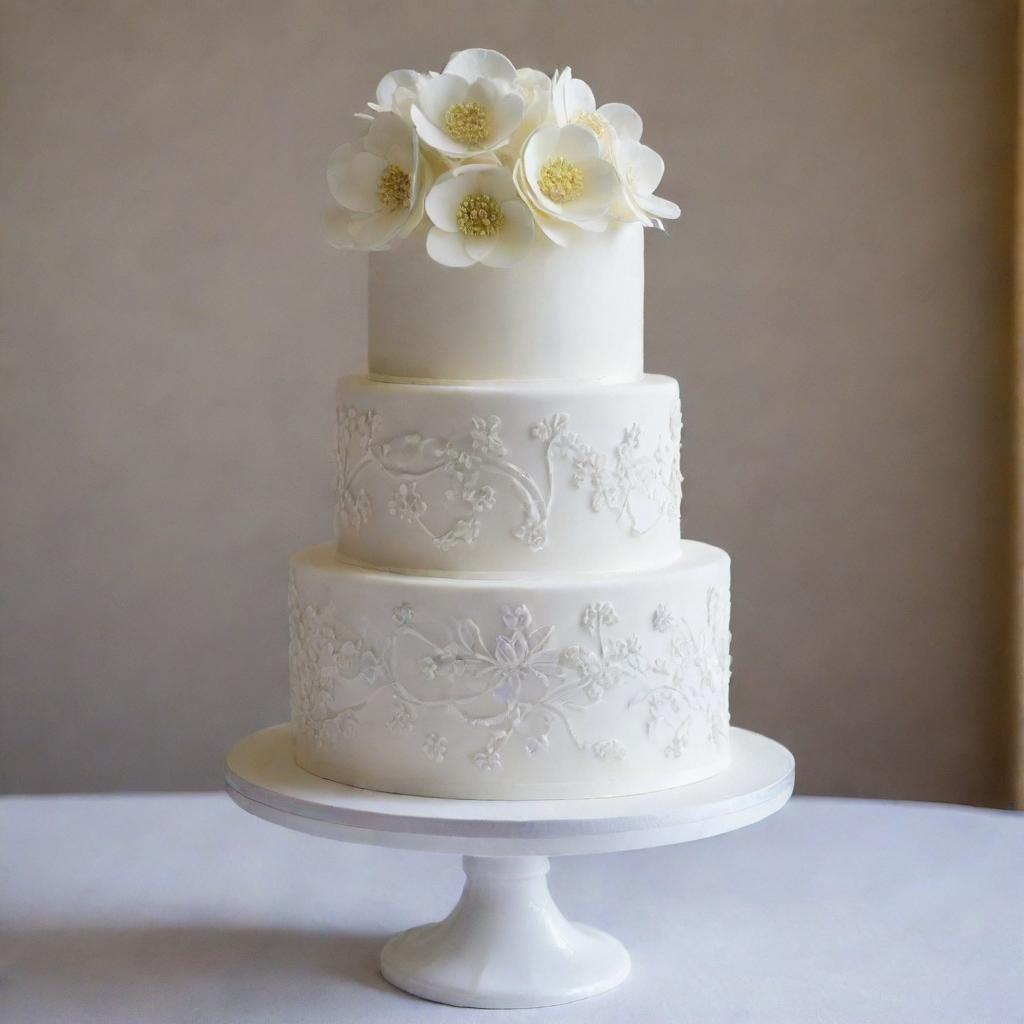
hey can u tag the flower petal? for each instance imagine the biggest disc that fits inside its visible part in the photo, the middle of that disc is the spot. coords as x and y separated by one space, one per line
448 248
531 83
539 148
595 226
478 248
497 183
391 82
560 232
386 131
474 64
579 98
376 231
337 160
577 143
443 199
641 166
658 207
337 229
506 115
434 136
401 155
624 119
515 239
600 188
435 95
353 182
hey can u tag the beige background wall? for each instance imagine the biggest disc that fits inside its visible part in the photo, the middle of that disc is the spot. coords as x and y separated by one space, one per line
835 302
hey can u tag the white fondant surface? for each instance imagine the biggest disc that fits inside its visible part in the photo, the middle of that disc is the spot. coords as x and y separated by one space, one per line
570 314
560 686
524 477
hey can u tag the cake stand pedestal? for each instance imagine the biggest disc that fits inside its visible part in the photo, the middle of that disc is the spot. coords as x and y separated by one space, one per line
506 944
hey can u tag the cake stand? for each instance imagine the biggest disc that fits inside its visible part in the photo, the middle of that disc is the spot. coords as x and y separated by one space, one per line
506 944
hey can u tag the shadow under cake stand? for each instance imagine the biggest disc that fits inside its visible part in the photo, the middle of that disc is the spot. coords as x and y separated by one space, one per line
506 944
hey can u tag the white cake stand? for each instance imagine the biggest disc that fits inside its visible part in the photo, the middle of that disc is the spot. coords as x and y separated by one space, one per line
506 943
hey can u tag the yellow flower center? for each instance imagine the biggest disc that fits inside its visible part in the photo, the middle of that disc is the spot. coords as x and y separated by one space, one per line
590 120
394 188
466 122
561 180
479 216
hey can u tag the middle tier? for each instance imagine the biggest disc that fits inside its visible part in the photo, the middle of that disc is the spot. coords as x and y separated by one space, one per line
487 478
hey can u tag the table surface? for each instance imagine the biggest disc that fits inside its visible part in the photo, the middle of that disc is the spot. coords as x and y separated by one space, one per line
183 909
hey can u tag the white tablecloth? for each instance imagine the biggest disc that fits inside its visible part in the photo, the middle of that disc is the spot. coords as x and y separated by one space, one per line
153 909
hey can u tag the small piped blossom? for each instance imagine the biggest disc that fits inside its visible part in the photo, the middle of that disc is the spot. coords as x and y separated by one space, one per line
517 618
485 436
402 614
407 503
609 750
663 619
597 615
487 760
435 747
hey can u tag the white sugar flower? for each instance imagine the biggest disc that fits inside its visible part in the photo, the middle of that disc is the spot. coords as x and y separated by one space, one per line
566 182
641 170
478 63
535 88
396 92
572 102
379 183
478 218
471 108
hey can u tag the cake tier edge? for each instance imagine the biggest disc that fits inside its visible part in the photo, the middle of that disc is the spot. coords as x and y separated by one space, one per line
561 687
496 478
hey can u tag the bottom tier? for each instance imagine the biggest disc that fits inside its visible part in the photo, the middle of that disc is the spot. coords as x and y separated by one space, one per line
519 689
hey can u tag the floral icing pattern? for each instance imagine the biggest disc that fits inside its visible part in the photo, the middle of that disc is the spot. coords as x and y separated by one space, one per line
690 700
515 685
638 487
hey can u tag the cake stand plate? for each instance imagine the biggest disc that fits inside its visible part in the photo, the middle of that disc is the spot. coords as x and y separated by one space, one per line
506 944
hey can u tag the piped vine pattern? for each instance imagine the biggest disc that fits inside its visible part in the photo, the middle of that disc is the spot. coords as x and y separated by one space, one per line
511 685
638 487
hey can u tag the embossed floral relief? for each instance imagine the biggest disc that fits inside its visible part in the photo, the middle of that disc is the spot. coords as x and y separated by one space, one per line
515 685
692 697
637 486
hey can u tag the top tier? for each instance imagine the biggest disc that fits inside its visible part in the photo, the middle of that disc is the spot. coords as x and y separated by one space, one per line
571 313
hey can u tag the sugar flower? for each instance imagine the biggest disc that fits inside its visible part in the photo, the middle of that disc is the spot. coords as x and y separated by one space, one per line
641 170
478 218
535 88
396 92
572 102
379 185
491 153
471 108
566 182
477 63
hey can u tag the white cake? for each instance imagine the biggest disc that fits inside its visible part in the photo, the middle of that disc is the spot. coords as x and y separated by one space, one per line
508 611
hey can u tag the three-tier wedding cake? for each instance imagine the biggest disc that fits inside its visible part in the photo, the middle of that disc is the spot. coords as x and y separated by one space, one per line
508 611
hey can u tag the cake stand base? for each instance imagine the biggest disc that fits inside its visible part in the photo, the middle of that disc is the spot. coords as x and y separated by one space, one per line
506 945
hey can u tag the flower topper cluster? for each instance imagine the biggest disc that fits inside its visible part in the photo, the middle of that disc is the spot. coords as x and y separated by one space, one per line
497 158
